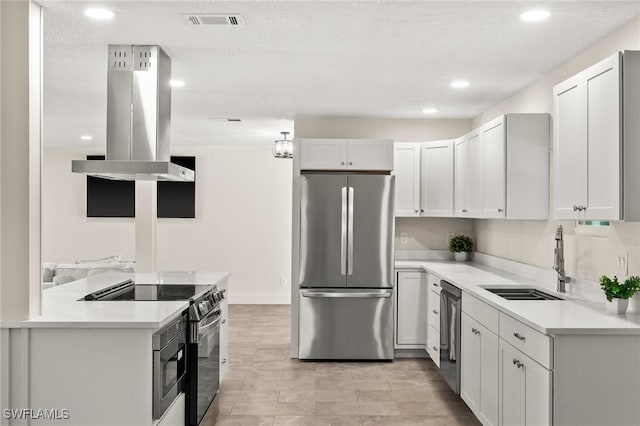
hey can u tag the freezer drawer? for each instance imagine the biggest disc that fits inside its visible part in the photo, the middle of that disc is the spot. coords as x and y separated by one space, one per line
346 324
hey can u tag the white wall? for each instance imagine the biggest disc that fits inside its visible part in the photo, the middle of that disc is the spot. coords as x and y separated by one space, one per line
423 233
242 224
533 241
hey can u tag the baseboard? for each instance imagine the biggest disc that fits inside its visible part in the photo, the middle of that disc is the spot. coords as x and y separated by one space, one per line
260 299
410 353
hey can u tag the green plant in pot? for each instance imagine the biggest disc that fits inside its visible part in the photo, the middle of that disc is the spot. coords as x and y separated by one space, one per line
461 246
618 293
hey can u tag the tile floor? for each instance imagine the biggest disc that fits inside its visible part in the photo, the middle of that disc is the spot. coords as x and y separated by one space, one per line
265 387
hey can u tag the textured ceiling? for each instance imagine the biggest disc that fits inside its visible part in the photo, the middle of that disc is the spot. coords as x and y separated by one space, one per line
340 58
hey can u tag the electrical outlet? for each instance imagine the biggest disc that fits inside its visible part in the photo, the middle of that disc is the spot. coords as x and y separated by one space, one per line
404 237
283 281
622 263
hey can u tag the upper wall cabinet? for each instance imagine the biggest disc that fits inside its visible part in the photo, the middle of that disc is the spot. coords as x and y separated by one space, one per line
424 178
437 179
596 120
346 154
515 167
468 176
406 168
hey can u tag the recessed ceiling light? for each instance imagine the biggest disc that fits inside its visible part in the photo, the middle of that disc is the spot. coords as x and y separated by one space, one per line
535 15
176 83
459 84
429 110
86 137
97 13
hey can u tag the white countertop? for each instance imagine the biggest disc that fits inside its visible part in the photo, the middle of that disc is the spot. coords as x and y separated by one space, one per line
62 309
574 315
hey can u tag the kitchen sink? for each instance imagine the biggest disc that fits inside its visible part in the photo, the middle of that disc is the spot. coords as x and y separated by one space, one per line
522 294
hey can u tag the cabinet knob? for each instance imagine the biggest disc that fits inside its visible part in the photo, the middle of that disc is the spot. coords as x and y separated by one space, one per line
224 361
342 163
583 207
351 163
435 312
421 210
464 210
435 284
519 336
417 211
475 331
434 348
223 321
500 210
517 363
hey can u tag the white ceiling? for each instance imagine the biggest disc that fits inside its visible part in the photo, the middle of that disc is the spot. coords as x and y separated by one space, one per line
307 58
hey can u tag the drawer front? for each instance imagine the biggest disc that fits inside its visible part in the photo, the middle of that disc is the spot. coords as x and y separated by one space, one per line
434 283
531 342
433 310
481 312
433 345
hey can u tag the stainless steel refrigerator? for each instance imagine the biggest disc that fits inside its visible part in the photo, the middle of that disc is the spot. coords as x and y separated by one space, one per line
346 266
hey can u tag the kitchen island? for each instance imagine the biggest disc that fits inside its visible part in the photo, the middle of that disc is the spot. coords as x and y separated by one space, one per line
94 359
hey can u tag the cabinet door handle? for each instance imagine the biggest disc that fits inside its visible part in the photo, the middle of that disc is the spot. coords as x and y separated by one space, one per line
475 331
500 210
223 321
342 163
435 312
464 210
224 361
435 284
351 163
575 208
421 210
434 348
517 363
417 211
519 336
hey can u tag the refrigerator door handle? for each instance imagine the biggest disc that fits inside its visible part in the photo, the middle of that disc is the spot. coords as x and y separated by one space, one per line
359 295
350 237
343 241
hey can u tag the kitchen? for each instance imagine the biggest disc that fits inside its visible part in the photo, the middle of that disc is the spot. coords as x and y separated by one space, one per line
527 241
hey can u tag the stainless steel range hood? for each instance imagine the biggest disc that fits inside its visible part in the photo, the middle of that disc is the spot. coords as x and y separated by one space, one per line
138 119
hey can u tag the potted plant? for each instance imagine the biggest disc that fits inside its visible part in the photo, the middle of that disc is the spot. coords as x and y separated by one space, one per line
634 302
618 293
460 246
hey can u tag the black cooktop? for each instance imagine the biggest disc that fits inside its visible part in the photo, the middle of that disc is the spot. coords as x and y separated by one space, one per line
130 291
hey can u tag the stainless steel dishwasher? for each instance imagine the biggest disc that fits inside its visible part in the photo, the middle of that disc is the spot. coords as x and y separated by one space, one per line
450 333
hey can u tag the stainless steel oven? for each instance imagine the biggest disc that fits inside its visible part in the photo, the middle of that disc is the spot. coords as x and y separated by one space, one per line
203 355
450 333
169 364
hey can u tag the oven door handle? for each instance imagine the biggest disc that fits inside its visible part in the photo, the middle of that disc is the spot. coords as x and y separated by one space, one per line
203 330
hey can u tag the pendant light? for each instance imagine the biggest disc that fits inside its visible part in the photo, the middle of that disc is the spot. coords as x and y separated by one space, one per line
283 148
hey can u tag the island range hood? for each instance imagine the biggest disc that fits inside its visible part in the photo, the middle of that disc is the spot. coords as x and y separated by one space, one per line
138 119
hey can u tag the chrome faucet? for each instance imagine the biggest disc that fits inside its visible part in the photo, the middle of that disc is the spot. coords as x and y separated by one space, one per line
558 262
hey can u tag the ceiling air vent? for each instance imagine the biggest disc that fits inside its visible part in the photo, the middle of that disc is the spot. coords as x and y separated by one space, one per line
214 19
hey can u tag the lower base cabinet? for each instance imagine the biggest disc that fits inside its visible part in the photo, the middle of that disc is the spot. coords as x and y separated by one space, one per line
479 370
525 389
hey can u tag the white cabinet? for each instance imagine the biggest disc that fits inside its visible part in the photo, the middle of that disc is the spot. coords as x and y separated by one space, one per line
411 308
468 176
461 177
224 332
595 121
525 389
406 168
175 414
433 317
346 154
437 178
424 178
479 386
515 167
